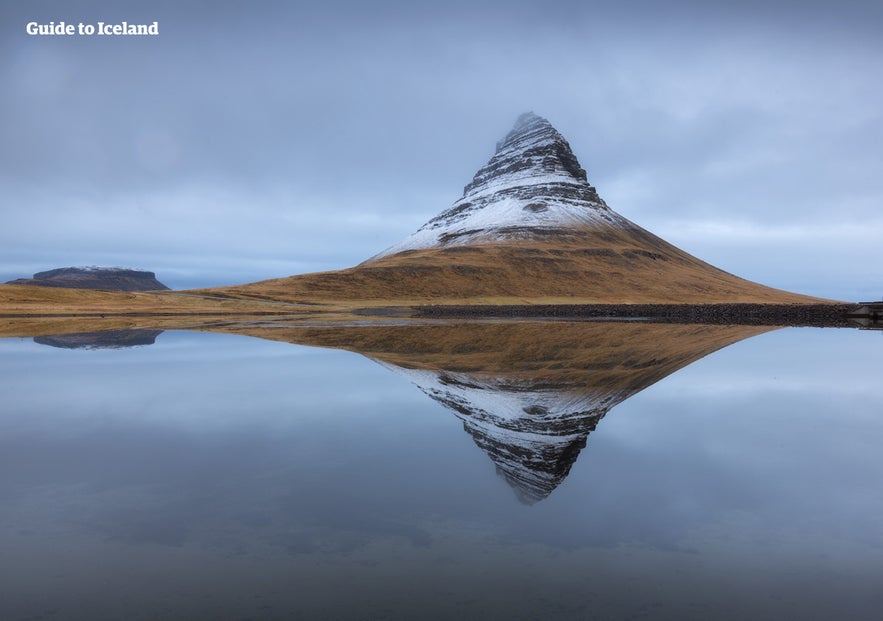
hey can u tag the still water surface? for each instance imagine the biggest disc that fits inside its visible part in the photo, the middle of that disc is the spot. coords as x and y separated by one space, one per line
219 476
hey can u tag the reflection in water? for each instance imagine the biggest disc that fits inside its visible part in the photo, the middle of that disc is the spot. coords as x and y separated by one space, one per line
528 393
219 477
111 339
532 433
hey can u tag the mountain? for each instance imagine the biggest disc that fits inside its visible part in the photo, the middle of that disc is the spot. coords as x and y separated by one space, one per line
527 393
529 227
105 278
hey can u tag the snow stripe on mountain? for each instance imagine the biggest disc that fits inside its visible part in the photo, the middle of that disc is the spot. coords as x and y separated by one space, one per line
533 184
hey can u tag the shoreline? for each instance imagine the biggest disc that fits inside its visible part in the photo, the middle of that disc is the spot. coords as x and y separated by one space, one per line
835 315
823 315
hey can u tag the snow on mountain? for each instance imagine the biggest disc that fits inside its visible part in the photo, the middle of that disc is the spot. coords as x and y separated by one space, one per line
533 185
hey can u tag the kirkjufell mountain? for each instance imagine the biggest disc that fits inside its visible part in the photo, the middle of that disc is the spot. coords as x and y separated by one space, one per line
527 393
529 227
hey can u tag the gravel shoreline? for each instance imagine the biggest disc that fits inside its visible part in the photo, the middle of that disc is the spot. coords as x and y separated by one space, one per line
820 315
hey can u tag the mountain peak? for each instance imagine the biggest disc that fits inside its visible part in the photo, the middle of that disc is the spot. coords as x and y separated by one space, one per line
532 151
525 123
532 186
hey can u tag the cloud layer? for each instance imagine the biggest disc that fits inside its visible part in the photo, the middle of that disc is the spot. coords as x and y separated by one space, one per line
246 143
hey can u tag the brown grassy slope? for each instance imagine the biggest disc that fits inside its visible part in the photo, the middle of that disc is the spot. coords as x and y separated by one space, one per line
24 300
570 356
620 266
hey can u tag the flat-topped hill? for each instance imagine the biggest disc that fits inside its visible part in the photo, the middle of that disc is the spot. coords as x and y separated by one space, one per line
103 278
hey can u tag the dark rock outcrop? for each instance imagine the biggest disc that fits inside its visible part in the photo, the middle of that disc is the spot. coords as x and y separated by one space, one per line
105 278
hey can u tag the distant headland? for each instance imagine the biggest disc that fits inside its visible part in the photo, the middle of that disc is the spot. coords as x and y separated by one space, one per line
93 277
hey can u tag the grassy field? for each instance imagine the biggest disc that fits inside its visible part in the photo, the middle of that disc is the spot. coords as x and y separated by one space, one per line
28 300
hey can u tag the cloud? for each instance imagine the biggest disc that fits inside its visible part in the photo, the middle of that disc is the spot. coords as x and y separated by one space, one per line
342 128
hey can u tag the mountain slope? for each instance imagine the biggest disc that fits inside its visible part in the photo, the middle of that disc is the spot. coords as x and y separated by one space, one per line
529 226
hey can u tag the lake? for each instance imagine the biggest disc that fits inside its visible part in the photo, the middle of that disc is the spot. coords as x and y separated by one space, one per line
521 470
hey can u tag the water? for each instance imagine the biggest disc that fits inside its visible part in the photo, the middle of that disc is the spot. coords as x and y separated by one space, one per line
220 476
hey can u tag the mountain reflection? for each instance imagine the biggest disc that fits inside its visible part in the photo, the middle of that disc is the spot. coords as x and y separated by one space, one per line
530 393
111 339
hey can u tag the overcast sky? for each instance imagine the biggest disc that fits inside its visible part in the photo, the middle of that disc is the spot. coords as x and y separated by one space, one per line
256 140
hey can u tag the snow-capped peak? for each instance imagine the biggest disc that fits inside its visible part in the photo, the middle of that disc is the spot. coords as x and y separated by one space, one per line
533 151
532 185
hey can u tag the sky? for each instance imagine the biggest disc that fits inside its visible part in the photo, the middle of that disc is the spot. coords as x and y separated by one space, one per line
257 140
